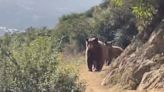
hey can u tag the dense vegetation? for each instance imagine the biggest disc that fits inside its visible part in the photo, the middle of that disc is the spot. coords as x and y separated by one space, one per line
29 63
29 60
108 24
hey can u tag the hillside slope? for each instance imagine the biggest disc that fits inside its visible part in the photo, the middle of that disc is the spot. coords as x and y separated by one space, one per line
140 68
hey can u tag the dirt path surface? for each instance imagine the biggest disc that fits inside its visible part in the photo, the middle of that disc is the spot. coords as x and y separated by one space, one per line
93 80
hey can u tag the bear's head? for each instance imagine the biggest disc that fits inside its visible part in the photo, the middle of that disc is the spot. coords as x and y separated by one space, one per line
109 47
108 44
91 43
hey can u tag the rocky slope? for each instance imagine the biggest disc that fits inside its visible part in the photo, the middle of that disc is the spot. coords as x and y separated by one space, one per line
141 65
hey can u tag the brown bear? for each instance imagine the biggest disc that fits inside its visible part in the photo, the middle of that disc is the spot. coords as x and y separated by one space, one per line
113 52
96 52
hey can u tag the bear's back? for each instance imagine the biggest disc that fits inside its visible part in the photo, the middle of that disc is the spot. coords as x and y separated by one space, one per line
116 51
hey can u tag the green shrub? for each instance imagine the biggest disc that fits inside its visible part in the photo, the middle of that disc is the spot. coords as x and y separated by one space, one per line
67 80
35 68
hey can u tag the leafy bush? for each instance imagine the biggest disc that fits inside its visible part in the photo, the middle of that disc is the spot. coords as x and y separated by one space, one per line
67 80
34 67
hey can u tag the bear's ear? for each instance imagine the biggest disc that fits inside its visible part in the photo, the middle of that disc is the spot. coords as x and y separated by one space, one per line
86 40
110 44
106 43
96 39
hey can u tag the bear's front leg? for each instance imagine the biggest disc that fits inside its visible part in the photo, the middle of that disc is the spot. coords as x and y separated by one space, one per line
106 62
98 66
89 64
109 60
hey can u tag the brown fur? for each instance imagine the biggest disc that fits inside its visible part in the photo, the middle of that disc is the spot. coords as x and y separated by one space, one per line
95 53
113 52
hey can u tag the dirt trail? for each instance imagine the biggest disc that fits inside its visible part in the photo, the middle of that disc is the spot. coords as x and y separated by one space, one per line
93 80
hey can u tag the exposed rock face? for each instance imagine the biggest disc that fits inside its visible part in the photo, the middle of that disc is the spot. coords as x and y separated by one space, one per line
140 67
